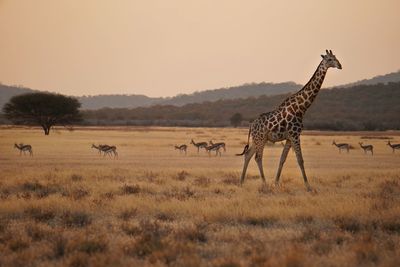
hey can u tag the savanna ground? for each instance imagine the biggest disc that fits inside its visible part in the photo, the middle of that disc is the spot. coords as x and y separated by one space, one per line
68 206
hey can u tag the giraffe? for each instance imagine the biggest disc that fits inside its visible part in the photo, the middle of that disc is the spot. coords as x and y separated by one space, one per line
285 123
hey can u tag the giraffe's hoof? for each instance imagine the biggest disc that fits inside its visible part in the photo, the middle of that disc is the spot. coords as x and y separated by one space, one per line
308 187
312 190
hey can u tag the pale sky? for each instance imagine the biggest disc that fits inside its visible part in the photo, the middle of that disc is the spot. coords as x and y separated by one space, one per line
167 47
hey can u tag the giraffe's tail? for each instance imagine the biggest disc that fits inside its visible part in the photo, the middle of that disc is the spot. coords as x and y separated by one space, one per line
247 146
244 150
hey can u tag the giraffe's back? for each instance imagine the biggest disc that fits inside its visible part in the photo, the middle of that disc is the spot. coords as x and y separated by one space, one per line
275 126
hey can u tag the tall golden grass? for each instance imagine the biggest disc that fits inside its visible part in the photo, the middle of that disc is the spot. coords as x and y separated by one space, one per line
69 206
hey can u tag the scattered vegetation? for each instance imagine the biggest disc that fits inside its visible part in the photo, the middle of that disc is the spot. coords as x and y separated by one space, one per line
157 208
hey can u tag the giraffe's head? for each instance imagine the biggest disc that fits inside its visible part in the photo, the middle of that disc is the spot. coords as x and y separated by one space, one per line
330 60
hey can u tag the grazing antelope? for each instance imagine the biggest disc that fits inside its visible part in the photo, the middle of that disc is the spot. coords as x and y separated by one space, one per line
97 147
24 148
181 148
393 146
367 148
108 150
286 123
214 147
199 145
221 144
341 146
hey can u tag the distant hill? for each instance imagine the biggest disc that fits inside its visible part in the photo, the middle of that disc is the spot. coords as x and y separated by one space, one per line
6 92
117 101
133 101
235 92
387 78
361 107
242 91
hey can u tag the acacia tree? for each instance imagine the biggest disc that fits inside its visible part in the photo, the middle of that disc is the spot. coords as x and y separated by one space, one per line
236 119
44 109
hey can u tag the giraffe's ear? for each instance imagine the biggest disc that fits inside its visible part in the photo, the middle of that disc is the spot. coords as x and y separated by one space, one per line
323 56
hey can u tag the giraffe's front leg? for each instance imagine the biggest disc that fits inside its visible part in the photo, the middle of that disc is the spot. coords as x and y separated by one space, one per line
285 152
297 149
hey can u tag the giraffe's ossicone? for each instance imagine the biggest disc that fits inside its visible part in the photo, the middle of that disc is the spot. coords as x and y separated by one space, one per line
286 122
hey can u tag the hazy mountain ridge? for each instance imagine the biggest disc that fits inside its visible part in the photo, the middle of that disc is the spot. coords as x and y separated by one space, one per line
386 78
242 91
133 101
6 92
234 92
117 101
357 108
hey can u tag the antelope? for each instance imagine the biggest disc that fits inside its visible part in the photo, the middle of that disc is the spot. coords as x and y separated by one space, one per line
221 144
181 148
342 146
106 149
24 148
199 145
393 146
367 148
99 148
109 150
215 147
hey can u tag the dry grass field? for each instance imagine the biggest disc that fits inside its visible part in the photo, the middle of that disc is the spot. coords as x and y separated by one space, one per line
69 206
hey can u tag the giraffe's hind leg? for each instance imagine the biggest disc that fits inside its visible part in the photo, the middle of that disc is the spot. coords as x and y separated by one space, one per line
285 152
247 157
258 159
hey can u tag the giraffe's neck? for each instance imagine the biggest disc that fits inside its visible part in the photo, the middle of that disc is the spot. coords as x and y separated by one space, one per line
302 100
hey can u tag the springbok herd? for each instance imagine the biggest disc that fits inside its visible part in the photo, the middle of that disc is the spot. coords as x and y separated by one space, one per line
111 151
208 147
366 148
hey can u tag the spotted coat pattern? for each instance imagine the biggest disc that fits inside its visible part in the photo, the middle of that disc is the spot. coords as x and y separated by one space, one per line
286 122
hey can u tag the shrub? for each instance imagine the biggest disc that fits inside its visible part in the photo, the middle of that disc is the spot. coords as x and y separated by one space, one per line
91 246
36 233
202 181
40 214
130 189
59 244
18 244
162 216
76 177
75 219
260 221
128 214
181 176
348 224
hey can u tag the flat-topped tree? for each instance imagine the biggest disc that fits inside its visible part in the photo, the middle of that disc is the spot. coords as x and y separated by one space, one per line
44 109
